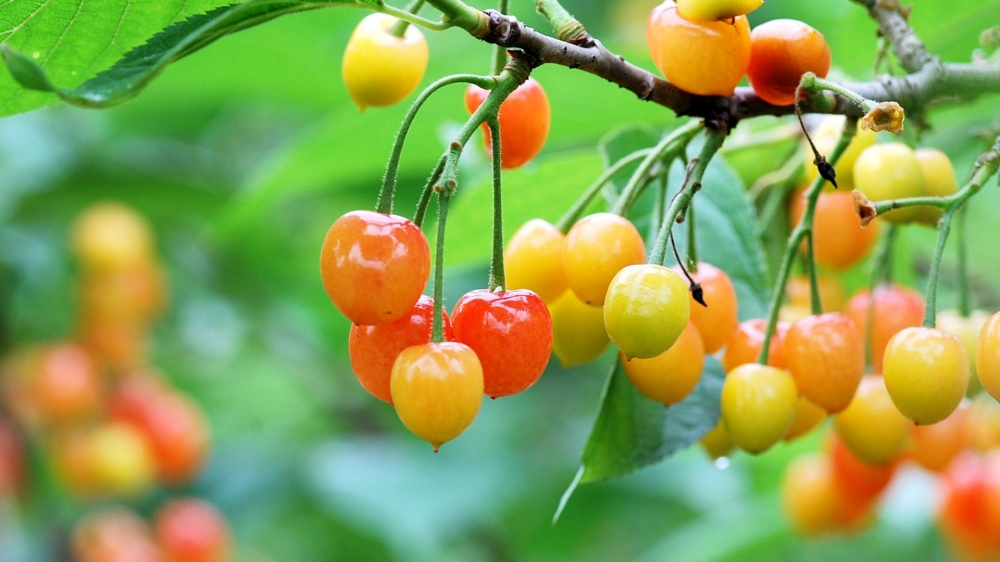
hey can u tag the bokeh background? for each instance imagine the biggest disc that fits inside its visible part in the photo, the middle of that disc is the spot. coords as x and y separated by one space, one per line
243 154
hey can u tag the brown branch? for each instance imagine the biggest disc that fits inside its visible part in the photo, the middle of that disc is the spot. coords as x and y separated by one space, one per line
892 18
932 83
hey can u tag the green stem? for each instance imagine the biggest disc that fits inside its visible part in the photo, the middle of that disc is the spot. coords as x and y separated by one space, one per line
815 85
713 141
438 330
816 301
930 310
668 147
798 234
497 276
964 304
692 257
400 28
573 214
566 27
500 52
425 195
459 14
660 205
392 168
403 15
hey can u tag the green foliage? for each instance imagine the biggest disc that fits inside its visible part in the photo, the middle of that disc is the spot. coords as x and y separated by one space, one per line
130 75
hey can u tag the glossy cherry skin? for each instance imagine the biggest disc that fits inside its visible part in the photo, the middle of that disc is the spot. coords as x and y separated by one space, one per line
672 375
896 307
704 58
533 260
871 426
826 355
939 178
890 171
597 248
646 310
380 69
758 406
374 349
437 389
174 426
746 341
716 10
717 321
927 373
374 266
782 51
524 118
839 240
511 333
988 356
578 333
192 530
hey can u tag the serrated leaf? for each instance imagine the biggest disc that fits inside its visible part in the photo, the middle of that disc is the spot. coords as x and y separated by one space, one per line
138 67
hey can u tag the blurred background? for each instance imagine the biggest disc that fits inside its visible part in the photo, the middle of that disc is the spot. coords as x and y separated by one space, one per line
243 154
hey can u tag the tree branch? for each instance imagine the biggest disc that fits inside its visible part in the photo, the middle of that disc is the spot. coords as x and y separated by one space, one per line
932 83
891 18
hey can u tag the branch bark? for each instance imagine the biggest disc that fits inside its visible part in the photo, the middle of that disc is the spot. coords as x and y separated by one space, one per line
929 82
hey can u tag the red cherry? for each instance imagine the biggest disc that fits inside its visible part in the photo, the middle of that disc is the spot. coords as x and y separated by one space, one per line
375 348
524 122
511 333
374 266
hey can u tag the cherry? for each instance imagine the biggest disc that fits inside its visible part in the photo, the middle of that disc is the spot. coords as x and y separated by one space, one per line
533 260
826 355
511 333
927 373
437 389
646 310
380 69
745 342
988 356
524 122
896 307
116 534
597 248
374 349
578 334
871 426
374 266
672 375
839 240
65 382
716 321
758 406
782 51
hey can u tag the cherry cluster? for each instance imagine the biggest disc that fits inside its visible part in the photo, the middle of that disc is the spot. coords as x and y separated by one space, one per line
109 425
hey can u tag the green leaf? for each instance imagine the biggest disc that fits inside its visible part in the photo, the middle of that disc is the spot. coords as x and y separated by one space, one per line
632 431
132 73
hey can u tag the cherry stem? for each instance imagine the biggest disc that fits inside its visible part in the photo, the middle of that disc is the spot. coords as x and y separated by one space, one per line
964 304
403 14
566 27
573 214
814 85
660 204
438 330
713 142
499 51
930 309
425 195
798 234
385 195
399 29
692 241
665 150
880 274
497 277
